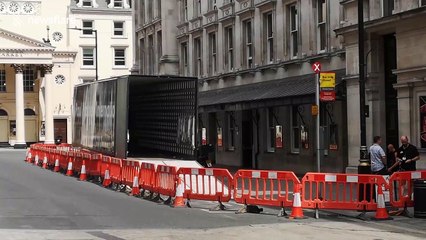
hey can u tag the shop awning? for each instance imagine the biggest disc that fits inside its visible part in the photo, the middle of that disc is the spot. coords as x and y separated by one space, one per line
267 90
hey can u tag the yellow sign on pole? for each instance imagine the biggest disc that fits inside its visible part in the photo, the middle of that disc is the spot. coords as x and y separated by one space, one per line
314 110
327 80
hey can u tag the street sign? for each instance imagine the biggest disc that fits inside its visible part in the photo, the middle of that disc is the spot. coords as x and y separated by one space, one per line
316 67
328 96
327 80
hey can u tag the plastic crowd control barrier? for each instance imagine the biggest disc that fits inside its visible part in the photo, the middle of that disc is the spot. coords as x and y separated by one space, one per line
341 191
147 177
401 188
165 181
210 184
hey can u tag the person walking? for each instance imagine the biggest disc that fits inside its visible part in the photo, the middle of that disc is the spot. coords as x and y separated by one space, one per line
407 155
378 157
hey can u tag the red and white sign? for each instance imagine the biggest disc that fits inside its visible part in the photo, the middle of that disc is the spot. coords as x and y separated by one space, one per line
278 136
328 96
316 67
203 136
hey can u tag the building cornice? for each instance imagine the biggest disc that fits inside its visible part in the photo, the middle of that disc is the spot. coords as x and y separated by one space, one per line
65 53
51 50
25 39
102 11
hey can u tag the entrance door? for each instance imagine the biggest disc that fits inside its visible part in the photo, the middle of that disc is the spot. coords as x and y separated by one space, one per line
247 140
4 136
61 129
30 129
390 92
212 135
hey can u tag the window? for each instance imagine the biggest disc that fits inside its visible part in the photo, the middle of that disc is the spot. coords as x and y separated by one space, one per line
142 55
293 30
295 130
151 54
118 28
87 3
28 75
269 37
184 58
212 54
197 8
119 57
270 131
387 7
248 44
87 27
321 23
118 3
229 43
184 11
2 80
212 5
231 131
198 65
88 56
150 10
159 44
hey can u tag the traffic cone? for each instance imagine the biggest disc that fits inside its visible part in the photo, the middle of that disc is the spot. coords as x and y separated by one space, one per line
135 188
381 212
179 201
297 211
29 157
44 166
56 168
36 160
107 178
83 176
69 170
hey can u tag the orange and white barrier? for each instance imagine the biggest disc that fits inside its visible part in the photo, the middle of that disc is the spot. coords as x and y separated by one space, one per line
401 188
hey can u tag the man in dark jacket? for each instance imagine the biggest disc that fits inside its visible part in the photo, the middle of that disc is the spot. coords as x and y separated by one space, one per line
407 155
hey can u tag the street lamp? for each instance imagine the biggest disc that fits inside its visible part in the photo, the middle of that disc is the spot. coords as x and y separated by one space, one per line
96 46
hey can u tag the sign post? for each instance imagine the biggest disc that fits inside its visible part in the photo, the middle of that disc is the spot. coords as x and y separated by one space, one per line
316 67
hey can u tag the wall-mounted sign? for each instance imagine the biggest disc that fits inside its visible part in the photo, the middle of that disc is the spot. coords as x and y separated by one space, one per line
328 80
219 137
327 96
314 110
278 136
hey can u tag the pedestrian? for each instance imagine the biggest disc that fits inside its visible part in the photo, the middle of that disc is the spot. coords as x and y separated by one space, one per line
392 164
407 155
378 157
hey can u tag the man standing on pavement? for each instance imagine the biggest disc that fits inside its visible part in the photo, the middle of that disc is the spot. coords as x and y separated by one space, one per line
378 157
407 155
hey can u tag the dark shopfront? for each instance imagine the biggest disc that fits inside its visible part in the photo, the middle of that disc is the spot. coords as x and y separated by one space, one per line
269 125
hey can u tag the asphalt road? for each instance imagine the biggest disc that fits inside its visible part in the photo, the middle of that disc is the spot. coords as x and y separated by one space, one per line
34 198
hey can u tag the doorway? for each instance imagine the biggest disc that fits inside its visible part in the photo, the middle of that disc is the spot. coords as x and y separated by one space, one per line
247 140
391 94
212 135
61 129
4 134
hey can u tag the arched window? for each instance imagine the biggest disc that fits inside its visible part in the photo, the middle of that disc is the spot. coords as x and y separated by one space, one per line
3 112
29 112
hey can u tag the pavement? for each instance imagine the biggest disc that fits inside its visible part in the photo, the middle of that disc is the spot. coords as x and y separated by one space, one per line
39 204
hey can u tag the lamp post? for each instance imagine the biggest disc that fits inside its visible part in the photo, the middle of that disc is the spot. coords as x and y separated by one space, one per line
96 46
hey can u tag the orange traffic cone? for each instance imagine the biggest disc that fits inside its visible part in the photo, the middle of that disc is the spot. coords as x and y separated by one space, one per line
297 211
29 157
36 160
135 188
83 176
381 212
107 178
44 166
69 169
179 201
56 168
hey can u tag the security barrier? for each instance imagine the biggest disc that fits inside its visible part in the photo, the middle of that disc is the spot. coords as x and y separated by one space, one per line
115 167
78 162
105 162
265 188
93 163
340 191
165 180
401 188
63 160
129 171
147 176
210 184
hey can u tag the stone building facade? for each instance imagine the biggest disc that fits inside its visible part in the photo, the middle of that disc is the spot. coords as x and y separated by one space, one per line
42 59
396 72
256 87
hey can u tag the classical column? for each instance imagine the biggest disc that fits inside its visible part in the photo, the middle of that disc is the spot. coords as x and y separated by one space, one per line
19 100
48 91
